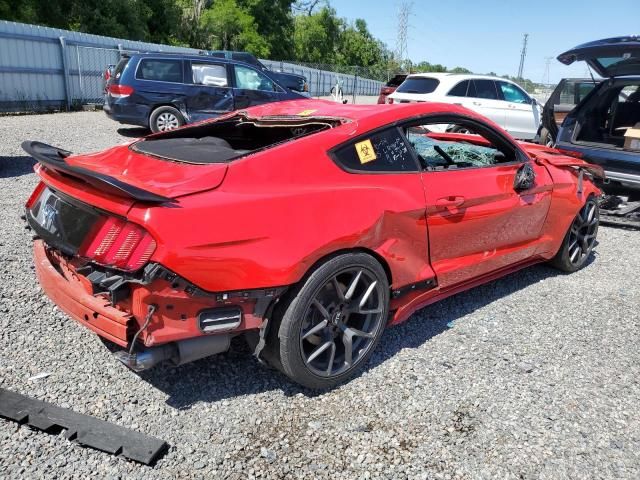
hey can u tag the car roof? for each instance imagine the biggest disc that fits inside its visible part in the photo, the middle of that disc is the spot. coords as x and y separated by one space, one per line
366 117
188 56
455 77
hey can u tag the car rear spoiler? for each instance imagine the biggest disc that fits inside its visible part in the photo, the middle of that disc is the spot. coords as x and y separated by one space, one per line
54 159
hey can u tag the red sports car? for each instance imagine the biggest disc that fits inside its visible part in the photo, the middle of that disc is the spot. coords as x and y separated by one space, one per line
306 226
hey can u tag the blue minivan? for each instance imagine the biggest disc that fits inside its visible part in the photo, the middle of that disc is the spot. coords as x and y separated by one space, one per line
165 91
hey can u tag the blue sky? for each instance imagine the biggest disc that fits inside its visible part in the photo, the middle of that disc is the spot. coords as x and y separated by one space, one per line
486 35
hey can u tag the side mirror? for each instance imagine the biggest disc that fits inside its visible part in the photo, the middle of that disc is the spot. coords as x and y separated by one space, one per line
525 178
534 102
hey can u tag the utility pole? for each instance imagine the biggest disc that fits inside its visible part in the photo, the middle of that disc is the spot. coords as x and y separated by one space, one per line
523 54
547 72
403 27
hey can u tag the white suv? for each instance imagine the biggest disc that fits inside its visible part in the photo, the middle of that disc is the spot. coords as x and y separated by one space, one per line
502 101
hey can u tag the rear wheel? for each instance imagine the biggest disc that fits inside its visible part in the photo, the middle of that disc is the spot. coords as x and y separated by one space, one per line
165 118
580 239
333 321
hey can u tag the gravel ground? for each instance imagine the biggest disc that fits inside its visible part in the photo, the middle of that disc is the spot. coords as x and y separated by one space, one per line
532 376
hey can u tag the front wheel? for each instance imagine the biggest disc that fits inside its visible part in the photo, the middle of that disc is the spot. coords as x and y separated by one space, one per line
579 241
333 322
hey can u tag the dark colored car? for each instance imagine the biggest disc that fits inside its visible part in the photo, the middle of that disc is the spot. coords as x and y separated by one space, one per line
595 129
390 87
567 94
293 81
166 91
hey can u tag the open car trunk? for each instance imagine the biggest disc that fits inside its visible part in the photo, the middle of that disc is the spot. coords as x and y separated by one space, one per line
609 113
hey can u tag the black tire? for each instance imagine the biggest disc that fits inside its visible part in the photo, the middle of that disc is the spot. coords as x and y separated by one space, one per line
165 118
546 138
579 241
459 129
298 333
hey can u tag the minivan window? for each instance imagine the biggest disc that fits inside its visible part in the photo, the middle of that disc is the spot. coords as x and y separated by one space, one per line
160 70
117 73
511 93
486 89
418 85
209 74
250 79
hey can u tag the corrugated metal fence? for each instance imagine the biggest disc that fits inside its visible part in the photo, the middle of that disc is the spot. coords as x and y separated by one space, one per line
47 68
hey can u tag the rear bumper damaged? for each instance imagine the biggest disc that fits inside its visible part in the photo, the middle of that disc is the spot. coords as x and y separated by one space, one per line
159 317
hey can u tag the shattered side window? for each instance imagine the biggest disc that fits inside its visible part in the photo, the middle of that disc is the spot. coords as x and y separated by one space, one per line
446 147
384 151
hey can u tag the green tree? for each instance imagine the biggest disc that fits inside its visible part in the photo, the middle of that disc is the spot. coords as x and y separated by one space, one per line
274 22
233 28
317 36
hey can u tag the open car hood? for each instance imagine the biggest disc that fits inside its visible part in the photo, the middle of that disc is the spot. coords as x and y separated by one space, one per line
610 57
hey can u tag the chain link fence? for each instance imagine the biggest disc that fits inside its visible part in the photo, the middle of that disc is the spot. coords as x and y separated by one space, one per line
86 66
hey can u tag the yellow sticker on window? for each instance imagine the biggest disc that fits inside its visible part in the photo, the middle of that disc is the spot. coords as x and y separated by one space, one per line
365 151
306 113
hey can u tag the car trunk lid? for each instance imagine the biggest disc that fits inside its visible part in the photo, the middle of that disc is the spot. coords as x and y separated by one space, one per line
610 57
122 172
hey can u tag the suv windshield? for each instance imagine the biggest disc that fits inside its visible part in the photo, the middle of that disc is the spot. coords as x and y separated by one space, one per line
418 85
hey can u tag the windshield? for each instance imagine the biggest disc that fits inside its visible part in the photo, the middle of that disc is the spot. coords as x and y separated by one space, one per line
418 85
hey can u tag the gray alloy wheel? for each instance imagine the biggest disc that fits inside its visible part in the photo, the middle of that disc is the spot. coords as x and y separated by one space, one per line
580 239
165 118
333 321
339 325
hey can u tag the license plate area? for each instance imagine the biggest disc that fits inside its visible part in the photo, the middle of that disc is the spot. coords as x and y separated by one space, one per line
61 222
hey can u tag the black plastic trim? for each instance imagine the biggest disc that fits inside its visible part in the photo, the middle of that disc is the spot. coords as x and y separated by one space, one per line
83 429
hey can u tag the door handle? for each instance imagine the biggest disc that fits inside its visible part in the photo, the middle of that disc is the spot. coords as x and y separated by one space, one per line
452 201
477 103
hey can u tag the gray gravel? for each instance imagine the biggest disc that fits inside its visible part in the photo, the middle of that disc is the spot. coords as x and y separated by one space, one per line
532 376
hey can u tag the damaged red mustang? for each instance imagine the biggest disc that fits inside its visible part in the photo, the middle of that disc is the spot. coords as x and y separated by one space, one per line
306 226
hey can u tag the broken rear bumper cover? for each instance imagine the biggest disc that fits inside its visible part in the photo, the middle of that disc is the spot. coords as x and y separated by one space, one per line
181 326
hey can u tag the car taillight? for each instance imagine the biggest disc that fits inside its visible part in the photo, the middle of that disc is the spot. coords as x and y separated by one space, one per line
305 88
35 194
119 244
119 91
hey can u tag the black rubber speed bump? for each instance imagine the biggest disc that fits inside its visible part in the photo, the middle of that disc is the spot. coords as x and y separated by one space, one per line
83 429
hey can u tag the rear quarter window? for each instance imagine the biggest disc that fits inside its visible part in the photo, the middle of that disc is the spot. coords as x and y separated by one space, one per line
418 85
384 151
160 70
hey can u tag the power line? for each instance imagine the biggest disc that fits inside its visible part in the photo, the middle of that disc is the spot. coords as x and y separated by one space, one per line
403 26
523 54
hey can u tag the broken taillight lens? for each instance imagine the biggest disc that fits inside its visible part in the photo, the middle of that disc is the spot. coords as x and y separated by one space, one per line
119 244
35 194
